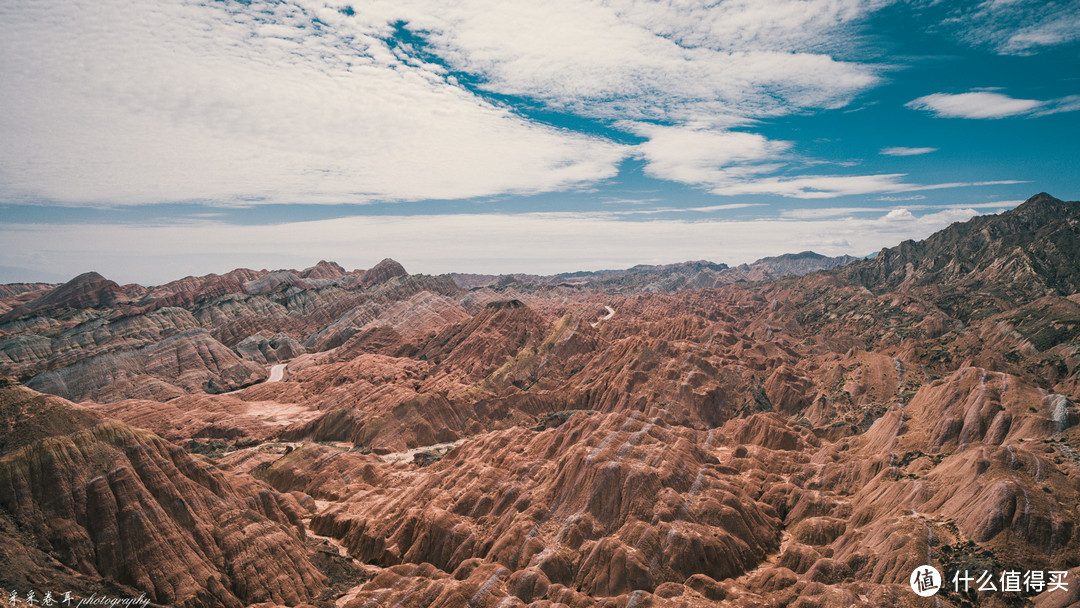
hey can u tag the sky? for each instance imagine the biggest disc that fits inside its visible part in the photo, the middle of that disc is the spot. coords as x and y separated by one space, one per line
154 140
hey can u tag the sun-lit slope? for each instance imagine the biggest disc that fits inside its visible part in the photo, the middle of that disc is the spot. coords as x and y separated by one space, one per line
113 506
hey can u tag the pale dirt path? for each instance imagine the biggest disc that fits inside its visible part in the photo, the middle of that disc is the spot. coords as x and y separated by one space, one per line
610 313
407 456
277 372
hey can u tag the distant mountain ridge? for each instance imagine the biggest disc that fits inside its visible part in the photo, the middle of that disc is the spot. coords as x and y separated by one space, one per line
1014 257
91 290
669 277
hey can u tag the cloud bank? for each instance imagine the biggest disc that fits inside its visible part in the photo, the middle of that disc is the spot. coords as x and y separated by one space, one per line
130 102
234 102
125 102
1015 27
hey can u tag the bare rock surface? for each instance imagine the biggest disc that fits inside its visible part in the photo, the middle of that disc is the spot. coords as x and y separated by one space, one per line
118 504
681 435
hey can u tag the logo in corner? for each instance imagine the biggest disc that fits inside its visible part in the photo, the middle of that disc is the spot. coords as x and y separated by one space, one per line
925 581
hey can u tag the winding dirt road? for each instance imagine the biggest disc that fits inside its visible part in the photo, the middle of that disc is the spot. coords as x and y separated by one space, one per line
277 374
610 313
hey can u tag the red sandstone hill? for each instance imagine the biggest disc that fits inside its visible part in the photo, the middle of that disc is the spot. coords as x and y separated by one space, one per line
115 508
661 436
88 290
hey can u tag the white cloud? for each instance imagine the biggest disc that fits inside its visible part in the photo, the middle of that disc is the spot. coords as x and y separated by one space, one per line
731 163
626 59
989 104
1016 27
975 104
1070 103
826 212
1061 29
126 102
894 213
541 243
993 205
906 197
787 25
118 101
664 210
696 156
902 151
816 186
725 207
902 215
830 186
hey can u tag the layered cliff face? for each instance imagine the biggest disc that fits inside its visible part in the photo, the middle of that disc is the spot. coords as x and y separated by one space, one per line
105 502
688 435
86 291
191 361
91 339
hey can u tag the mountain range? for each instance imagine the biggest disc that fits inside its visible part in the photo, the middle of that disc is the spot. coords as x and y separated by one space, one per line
799 431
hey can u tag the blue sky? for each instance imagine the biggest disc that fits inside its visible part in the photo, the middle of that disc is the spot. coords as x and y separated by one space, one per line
150 141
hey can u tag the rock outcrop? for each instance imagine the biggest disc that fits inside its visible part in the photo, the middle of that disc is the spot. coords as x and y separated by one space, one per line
382 272
122 506
88 290
182 363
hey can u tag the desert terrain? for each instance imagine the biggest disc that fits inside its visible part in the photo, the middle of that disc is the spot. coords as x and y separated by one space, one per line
802 431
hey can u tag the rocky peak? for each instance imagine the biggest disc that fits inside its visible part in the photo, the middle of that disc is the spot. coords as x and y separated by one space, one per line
802 255
88 290
801 263
323 270
1043 208
279 280
480 345
382 272
1025 253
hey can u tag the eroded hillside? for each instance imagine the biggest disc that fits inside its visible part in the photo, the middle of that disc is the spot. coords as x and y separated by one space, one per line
689 435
